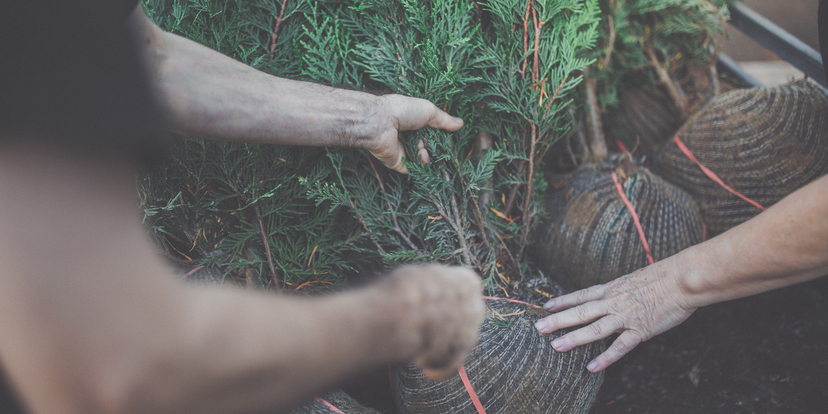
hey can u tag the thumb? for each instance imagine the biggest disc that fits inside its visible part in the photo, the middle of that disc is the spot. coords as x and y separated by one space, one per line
444 121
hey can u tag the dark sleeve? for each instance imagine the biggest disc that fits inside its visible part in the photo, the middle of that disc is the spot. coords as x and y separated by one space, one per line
71 73
8 402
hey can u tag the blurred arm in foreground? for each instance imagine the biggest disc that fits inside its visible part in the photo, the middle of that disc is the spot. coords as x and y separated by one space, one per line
91 321
785 245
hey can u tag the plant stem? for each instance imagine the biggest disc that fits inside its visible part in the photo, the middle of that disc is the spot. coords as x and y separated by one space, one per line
273 277
597 142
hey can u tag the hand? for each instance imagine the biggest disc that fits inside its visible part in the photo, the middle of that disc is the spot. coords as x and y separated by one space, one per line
639 306
401 113
443 308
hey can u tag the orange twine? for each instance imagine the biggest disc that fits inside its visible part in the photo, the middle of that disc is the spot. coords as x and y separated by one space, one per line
331 406
713 176
634 216
470 390
462 372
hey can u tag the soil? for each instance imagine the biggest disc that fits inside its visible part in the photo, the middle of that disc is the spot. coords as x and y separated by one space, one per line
765 354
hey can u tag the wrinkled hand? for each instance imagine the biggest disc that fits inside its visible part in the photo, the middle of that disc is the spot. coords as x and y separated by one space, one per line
401 113
639 306
443 307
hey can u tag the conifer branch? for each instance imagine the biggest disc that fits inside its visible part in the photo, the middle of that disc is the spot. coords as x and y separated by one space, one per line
527 217
274 279
397 228
611 40
535 70
275 34
365 226
458 225
525 38
520 168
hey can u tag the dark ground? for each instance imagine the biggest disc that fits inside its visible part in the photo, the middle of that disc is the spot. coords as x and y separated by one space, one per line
766 354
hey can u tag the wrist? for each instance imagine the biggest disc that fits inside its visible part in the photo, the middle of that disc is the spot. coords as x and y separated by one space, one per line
689 270
361 120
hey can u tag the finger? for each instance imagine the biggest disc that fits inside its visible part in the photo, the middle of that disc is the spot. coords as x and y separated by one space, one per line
574 299
442 120
622 345
599 329
414 113
422 152
392 156
578 315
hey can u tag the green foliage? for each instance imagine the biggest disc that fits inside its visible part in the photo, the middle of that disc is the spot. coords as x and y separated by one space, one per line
641 38
211 203
326 213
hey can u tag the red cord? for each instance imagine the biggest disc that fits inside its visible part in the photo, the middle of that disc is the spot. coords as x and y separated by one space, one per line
462 372
470 390
713 176
620 145
331 406
634 216
191 272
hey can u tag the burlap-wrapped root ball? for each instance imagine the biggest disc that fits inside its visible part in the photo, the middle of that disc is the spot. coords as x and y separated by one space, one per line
592 237
643 119
764 143
512 369
330 402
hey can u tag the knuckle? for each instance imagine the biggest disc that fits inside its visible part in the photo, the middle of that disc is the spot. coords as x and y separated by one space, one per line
581 312
597 330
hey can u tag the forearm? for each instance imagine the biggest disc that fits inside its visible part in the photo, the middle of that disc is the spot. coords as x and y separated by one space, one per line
91 321
242 353
209 95
784 245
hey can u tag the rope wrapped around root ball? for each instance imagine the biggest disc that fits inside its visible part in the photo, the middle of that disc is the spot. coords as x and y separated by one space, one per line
593 238
330 402
763 143
512 369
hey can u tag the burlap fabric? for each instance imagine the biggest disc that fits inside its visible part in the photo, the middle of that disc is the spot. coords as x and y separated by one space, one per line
592 238
512 369
763 142
343 402
642 120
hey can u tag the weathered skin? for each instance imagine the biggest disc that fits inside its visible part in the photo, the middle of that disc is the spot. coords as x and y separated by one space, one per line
785 245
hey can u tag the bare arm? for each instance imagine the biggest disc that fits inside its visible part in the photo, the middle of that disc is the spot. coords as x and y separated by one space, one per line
785 245
210 95
91 321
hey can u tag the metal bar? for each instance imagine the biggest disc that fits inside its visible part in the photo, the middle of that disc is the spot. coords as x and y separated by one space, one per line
778 41
727 64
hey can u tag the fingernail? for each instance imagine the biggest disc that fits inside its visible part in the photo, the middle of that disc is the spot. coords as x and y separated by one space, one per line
549 304
591 366
540 324
557 343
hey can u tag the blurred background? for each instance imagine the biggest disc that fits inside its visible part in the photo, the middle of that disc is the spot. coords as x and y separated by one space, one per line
798 17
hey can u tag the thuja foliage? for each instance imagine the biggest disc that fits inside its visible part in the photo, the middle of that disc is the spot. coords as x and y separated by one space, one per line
305 216
663 47
241 208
